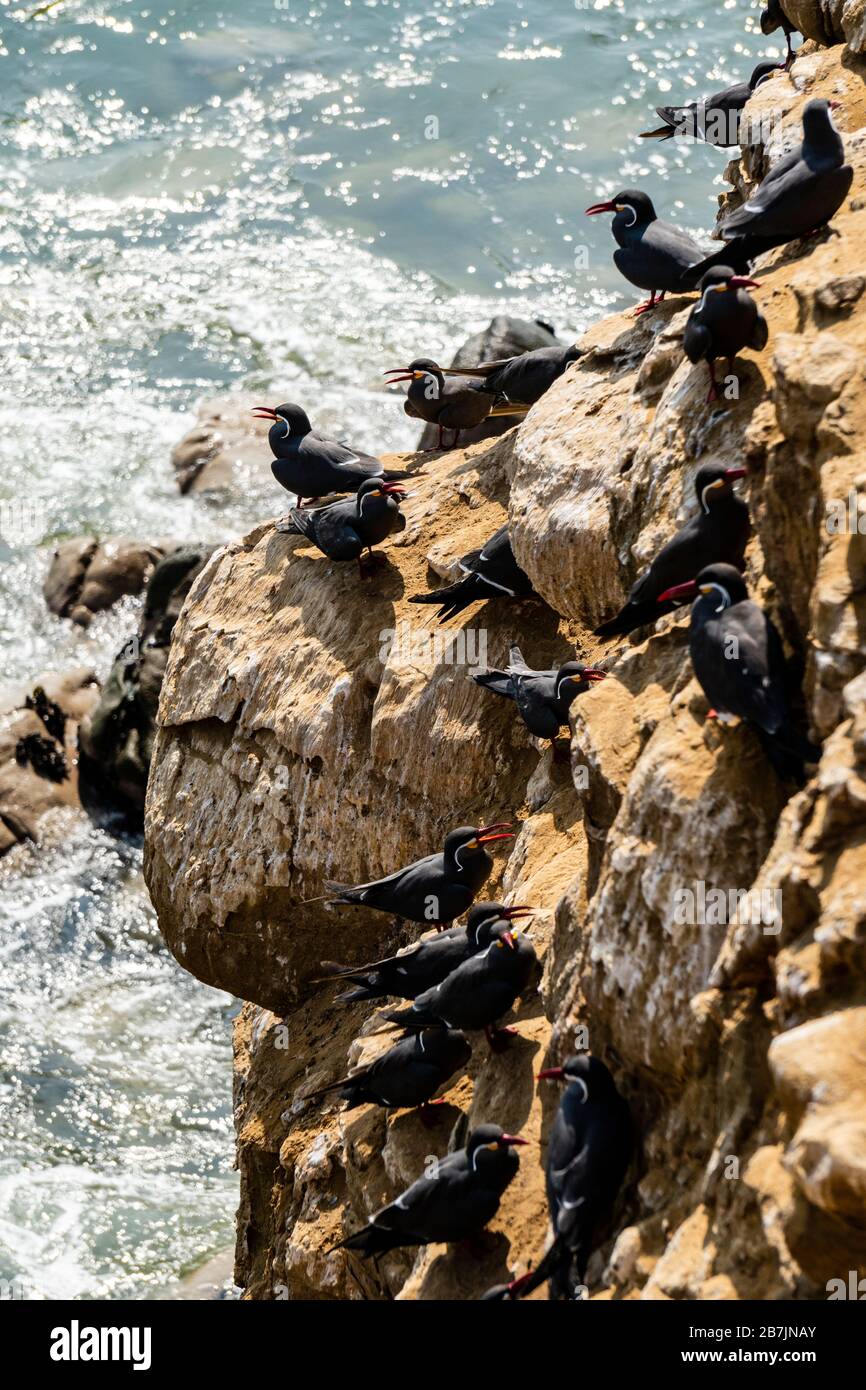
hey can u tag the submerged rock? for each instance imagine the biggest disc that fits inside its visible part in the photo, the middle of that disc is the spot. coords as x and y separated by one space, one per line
87 576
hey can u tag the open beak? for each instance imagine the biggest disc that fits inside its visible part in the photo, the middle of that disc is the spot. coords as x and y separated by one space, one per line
600 207
512 913
687 590
552 1074
488 833
509 1140
510 940
732 474
591 673
264 412
740 282
400 374
393 490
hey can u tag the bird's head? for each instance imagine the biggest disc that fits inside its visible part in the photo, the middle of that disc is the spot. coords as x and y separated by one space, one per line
289 421
483 920
573 679
763 72
720 581
721 279
632 208
465 845
818 124
419 369
486 1140
374 491
713 483
589 1074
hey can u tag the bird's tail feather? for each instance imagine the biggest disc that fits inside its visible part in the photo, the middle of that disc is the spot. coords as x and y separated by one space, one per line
788 752
453 598
497 681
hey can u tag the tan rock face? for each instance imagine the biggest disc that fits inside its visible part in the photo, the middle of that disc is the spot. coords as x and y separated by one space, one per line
297 745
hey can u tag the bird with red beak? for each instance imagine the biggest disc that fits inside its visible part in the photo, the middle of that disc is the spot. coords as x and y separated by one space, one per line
588 1155
457 403
411 972
310 464
543 698
344 530
719 530
454 1199
435 890
480 992
651 254
724 321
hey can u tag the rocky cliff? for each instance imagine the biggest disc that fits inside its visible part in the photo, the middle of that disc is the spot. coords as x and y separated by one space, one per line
299 743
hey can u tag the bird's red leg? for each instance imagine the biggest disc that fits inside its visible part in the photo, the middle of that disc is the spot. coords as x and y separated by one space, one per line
713 393
646 306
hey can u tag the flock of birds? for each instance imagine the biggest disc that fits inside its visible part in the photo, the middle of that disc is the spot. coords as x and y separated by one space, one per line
467 978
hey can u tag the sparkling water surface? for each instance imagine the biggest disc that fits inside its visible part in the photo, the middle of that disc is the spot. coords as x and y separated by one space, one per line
289 199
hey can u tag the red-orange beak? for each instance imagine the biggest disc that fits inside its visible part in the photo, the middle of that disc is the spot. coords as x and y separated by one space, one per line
687 590
264 412
600 207
552 1074
740 282
509 1140
732 474
488 833
393 489
399 374
512 913
592 673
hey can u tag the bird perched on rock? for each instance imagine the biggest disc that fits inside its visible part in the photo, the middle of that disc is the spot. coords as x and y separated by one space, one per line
424 965
460 403
524 379
455 1200
478 993
773 18
543 698
739 662
344 530
651 254
435 889
719 531
409 1074
723 322
491 572
310 464
716 120
590 1148
802 192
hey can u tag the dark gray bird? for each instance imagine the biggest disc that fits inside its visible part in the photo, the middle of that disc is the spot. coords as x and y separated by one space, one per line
478 993
460 403
716 120
310 464
651 254
409 1074
719 531
739 662
344 530
489 573
424 965
455 1200
774 18
803 191
436 889
590 1149
524 379
725 321
543 698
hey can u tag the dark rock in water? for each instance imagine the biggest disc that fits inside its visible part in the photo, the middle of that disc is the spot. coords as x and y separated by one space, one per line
116 742
43 755
38 754
87 576
504 337
48 710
